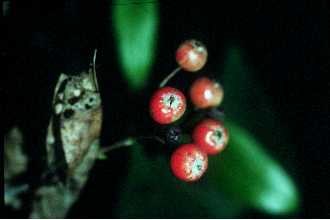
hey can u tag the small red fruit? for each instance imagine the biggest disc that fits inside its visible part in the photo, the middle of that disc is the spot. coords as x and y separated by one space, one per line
167 105
211 136
205 93
191 55
188 162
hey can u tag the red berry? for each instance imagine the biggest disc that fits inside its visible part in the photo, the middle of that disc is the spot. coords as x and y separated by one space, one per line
205 93
167 105
191 55
188 162
211 136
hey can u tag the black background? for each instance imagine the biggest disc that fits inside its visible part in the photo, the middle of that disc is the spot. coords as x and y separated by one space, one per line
289 47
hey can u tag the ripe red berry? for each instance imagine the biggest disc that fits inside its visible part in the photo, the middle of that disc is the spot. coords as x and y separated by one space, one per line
211 136
188 162
205 93
191 55
167 105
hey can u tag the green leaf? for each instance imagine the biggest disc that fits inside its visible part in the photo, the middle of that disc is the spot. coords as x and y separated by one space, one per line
151 191
245 172
246 102
135 26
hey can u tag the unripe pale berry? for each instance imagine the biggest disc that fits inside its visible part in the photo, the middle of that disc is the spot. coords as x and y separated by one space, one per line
189 162
205 93
167 105
191 55
211 136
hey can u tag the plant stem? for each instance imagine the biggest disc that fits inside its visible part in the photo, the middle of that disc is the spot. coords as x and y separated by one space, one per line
129 142
94 71
169 76
123 143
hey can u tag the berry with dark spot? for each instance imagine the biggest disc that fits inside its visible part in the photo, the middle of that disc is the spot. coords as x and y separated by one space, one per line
189 162
167 105
211 136
191 55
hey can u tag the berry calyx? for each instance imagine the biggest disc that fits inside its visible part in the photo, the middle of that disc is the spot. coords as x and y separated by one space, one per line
188 162
205 93
211 136
191 55
167 105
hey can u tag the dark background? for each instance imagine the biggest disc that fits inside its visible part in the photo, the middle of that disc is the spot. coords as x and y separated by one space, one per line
288 44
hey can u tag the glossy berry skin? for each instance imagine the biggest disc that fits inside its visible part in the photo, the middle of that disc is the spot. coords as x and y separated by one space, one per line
167 105
211 136
206 93
189 162
191 55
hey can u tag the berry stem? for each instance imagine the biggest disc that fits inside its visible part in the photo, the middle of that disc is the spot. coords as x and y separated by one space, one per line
217 114
129 142
122 143
169 76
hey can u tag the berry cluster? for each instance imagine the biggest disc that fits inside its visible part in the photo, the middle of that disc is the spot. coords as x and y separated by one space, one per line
190 161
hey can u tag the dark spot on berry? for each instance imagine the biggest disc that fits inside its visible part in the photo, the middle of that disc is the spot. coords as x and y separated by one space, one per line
68 113
197 44
218 134
171 100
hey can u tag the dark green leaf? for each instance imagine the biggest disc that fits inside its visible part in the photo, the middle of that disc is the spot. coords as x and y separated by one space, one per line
151 191
135 27
247 173
247 104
